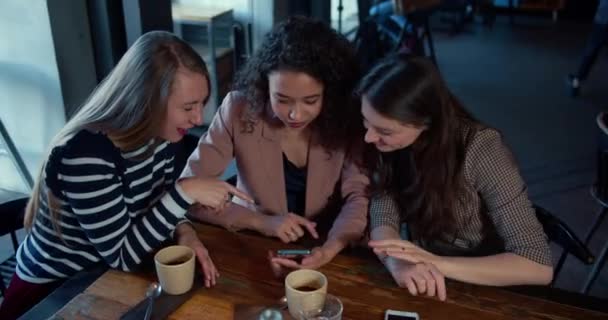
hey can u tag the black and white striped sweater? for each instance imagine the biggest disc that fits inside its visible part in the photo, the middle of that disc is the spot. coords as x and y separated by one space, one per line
114 206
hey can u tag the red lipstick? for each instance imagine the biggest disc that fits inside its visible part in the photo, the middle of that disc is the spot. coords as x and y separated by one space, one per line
296 125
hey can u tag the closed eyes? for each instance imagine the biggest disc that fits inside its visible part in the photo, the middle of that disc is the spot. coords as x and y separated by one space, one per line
192 106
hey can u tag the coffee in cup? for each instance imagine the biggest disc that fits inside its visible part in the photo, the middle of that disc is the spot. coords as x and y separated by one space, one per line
175 269
305 291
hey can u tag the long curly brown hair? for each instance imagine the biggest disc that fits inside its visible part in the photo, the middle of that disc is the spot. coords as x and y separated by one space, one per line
305 45
426 178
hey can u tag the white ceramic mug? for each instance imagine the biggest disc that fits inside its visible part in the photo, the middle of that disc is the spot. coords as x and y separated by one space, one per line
305 291
175 269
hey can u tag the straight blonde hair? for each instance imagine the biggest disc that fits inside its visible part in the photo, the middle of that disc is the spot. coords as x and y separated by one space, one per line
129 105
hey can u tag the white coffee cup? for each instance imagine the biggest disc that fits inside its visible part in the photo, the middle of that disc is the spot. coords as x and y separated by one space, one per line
175 269
305 291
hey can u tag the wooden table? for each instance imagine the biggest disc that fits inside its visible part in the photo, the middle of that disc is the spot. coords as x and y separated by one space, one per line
362 284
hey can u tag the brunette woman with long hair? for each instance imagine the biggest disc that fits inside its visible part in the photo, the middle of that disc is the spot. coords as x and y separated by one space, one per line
451 180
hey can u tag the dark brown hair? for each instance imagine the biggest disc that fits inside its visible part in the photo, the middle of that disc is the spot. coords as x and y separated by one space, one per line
426 178
305 45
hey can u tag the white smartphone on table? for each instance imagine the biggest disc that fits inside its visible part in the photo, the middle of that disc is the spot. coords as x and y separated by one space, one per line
400 315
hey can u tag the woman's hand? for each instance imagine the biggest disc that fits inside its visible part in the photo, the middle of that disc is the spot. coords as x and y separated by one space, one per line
403 250
212 193
288 228
186 236
280 266
418 278
318 257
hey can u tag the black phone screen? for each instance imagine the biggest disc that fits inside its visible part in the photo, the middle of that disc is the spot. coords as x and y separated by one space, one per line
395 317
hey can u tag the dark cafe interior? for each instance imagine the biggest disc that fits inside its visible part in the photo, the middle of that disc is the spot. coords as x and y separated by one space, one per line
318 159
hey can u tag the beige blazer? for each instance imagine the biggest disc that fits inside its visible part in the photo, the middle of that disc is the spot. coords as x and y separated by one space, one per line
259 162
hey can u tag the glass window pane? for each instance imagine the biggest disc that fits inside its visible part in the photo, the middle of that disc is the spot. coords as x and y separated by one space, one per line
31 104
349 17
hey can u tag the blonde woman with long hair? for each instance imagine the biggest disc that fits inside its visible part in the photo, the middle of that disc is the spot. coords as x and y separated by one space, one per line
106 192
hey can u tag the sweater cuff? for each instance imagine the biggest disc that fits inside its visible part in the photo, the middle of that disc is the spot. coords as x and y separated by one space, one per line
183 197
183 220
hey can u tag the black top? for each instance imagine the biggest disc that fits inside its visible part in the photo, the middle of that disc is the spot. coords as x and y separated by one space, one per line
295 186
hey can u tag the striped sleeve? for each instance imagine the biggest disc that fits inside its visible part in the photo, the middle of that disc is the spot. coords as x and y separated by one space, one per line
94 190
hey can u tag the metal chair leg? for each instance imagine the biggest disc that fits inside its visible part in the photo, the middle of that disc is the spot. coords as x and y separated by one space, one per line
558 267
401 39
340 8
598 222
16 157
595 271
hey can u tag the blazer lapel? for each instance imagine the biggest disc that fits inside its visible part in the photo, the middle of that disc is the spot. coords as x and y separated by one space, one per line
322 167
270 158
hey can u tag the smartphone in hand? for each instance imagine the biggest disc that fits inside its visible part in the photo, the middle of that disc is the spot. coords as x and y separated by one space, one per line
400 315
292 252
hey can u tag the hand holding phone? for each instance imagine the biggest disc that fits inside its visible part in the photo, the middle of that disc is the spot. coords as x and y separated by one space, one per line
292 252
400 315
284 260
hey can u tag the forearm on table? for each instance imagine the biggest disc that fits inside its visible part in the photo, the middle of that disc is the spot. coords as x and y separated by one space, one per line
183 229
341 235
350 224
384 232
338 239
497 270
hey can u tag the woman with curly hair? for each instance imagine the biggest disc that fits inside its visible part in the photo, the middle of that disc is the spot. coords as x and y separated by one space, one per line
452 180
290 126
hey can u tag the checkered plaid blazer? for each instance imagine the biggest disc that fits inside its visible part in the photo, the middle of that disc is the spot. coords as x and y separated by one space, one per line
495 214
